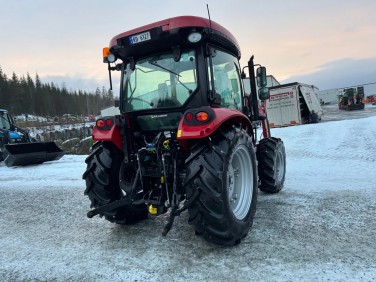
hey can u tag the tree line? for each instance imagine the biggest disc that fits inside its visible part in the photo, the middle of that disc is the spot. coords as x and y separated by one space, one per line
24 95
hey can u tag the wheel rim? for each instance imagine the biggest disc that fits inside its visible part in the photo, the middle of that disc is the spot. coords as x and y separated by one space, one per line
240 182
279 167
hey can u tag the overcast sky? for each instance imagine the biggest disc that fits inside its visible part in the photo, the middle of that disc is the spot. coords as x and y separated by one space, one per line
328 43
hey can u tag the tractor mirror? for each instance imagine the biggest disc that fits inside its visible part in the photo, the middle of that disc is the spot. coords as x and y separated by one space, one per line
263 93
261 77
117 103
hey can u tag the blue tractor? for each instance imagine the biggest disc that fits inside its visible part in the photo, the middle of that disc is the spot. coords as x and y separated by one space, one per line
17 148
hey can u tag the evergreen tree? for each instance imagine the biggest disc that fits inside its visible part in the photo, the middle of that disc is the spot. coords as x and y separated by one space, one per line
30 93
16 98
22 95
4 90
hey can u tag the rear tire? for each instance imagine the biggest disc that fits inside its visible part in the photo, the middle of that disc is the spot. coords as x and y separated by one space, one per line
271 159
102 184
223 170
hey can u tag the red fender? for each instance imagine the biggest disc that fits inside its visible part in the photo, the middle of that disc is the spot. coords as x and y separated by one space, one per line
111 134
188 132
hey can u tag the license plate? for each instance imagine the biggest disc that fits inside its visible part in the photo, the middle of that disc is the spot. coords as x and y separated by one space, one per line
138 38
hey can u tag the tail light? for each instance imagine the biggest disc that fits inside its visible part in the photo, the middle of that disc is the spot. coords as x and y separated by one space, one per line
198 116
109 122
202 116
105 123
100 123
189 117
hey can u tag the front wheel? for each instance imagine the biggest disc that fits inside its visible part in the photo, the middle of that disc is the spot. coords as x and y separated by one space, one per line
271 159
222 172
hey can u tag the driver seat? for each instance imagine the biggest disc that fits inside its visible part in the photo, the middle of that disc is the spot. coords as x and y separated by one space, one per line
164 99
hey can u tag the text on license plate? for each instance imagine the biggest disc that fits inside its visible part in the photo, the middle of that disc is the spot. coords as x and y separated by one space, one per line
138 38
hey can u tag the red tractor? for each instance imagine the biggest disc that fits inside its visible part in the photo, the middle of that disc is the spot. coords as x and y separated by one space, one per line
186 136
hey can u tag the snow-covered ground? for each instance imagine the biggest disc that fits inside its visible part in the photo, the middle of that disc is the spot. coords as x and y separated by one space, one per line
320 227
27 117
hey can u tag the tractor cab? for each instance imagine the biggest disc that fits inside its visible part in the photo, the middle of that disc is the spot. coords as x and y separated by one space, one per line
8 130
164 81
177 63
174 68
9 133
351 99
6 120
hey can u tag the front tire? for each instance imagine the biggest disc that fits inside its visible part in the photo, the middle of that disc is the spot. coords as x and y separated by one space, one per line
223 170
271 159
102 184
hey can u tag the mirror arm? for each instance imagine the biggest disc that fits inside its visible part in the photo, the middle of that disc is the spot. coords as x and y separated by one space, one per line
253 102
109 74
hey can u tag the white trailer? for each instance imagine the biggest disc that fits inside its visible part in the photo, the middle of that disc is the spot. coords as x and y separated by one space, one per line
291 104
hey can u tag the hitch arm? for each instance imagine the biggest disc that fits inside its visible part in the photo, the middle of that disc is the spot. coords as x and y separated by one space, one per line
170 221
108 207
176 212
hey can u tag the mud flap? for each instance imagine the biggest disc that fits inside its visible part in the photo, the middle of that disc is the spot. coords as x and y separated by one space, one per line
31 153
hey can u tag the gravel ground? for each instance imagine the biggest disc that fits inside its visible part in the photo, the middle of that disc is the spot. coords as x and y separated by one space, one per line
296 237
300 234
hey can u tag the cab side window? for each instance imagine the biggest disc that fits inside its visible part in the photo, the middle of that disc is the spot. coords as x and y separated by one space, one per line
226 80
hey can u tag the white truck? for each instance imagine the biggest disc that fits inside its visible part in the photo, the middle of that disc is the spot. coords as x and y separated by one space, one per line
291 104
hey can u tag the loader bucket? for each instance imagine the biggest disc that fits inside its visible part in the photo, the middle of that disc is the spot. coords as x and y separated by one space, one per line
31 153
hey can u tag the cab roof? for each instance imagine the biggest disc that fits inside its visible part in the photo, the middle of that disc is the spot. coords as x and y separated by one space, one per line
182 25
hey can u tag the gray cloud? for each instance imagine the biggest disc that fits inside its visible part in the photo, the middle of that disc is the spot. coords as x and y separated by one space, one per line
341 73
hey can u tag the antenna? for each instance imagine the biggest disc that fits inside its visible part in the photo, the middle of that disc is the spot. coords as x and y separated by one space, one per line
207 7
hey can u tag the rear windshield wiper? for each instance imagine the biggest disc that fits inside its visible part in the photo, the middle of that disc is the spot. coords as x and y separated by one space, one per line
162 67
